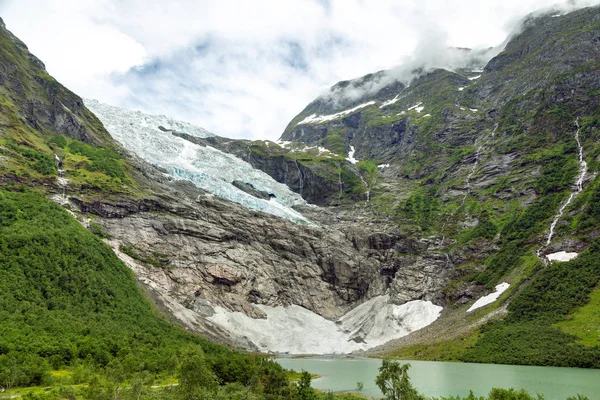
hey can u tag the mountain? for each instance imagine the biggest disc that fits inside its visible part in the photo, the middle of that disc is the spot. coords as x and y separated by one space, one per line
499 164
491 167
72 313
189 220
454 213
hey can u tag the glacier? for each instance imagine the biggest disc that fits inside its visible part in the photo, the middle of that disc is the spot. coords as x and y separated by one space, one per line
150 137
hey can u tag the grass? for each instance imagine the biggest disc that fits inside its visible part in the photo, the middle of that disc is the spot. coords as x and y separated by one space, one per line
294 376
585 322
450 350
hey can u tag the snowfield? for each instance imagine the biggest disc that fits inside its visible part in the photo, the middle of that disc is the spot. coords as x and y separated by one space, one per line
314 118
208 168
296 330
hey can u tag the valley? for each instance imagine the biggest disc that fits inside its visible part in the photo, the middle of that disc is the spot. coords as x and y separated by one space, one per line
439 214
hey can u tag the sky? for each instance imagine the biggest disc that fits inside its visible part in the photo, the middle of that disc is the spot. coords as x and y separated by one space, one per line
242 68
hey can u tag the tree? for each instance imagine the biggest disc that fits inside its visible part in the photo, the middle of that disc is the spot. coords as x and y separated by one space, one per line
305 391
394 382
196 379
11 373
359 387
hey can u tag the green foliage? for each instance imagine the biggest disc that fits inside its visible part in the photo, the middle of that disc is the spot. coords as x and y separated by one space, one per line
18 369
423 208
305 391
38 161
394 382
532 220
147 260
97 230
558 171
584 322
484 229
196 379
559 289
588 220
59 140
66 301
102 159
334 142
527 336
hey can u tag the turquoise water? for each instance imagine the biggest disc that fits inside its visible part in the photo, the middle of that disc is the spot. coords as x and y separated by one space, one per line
443 379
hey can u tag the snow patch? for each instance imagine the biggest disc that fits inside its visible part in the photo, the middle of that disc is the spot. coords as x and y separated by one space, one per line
351 156
460 89
490 298
474 77
314 118
381 166
473 109
417 107
390 102
426 115
561 256
296 330
326 152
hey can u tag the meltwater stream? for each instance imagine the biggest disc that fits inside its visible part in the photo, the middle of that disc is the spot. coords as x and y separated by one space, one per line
579 184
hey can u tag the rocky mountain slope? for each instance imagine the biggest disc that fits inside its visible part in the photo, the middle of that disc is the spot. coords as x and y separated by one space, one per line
500 165
198 254
434 191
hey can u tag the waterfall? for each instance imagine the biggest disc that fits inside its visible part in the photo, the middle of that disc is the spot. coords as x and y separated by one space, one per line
61 181
300 176
340 180
367 190
579 184
468 180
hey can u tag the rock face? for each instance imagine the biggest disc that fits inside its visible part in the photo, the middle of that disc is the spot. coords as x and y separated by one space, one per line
43 103
235 258
251 190
312 181
196 254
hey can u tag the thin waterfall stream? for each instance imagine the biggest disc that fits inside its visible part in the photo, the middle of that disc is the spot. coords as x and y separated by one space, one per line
579 185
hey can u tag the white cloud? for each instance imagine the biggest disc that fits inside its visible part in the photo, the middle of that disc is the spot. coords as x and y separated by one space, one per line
241 68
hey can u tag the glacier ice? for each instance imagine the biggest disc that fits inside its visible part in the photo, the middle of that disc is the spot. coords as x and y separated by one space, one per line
490 298
296 330
210 169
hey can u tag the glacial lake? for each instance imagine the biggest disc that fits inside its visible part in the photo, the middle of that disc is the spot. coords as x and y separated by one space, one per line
444 378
